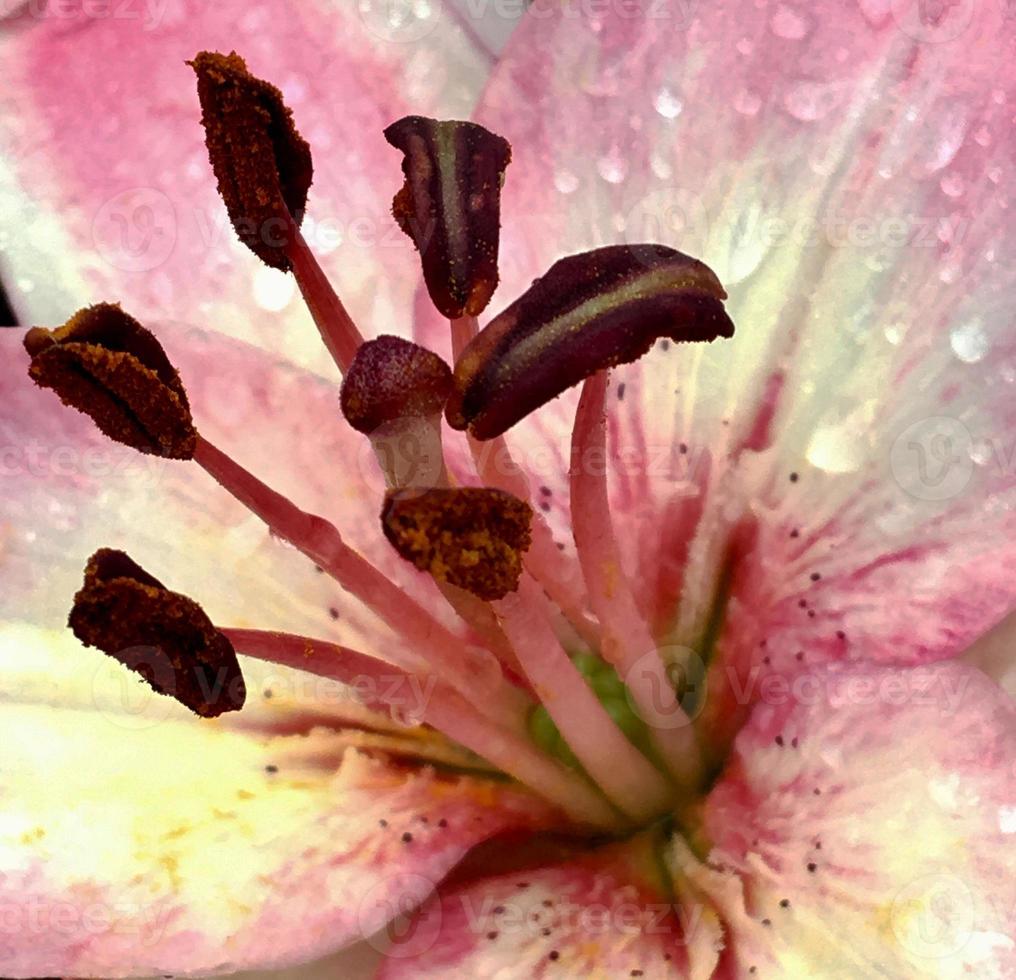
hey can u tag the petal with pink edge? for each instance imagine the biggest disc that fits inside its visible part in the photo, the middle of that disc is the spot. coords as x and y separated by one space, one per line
107 181
863 827
136 845
601 914
844 169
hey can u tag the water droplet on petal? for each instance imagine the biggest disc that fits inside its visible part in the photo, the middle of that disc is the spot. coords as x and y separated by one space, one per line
895 332
747 103
613 167
969 342
983 136
809 101
952 185
273 289
788 23
950 138
667 104
565 181
745 46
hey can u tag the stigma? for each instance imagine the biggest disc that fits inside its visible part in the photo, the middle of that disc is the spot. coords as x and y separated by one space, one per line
550 671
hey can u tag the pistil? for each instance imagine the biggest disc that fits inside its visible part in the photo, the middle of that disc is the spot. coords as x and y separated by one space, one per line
627 642
613 763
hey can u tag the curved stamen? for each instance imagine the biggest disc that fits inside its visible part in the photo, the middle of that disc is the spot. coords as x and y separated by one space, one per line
627 642
613 763
443 709
470 670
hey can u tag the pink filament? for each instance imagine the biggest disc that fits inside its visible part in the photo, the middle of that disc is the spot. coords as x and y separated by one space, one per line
613 763
340 335
496 468
627 642
442 708
472 671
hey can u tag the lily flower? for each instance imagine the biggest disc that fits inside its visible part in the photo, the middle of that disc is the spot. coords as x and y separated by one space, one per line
618 636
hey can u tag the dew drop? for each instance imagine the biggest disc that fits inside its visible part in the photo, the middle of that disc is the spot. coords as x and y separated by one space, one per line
950 139
876 12
788 23
982 453
667 104
895 332
565 181
745 46
747 103
969 342
661 166
273 289
835 449
809 101
983 136
612 166
952 185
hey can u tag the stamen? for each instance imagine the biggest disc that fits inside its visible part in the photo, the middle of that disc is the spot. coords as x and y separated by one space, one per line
443 709
394 392
627 642
470 670
105 364
450 207
590 311
612 762
471 537
338 331
496 468
161 635
262 164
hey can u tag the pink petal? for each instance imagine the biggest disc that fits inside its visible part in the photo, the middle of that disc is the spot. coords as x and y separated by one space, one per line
729 131
135 848
598 915
108 183
868 815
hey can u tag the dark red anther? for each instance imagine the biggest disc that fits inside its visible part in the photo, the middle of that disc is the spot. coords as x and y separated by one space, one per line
590 311
104 363
262 164
450 206
162 635
471 537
